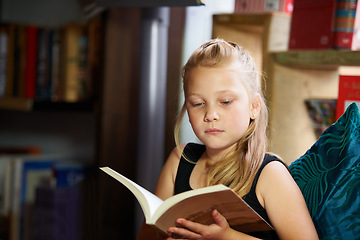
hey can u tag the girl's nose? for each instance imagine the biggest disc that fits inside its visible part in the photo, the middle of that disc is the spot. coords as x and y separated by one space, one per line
211 115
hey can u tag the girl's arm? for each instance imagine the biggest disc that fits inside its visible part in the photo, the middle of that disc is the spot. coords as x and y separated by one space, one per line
164 189
284 203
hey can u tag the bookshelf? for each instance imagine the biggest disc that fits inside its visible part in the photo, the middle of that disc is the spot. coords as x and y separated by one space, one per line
29 105
297 76
317 59
69 128
290 77
106 126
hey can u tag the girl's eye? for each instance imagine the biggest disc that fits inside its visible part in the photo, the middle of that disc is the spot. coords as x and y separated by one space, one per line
226 102
197 104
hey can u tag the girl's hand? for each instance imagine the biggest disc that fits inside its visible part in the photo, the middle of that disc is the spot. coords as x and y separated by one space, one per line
216 231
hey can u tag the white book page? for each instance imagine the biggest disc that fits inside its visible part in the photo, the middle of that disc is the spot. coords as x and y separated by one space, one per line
152 199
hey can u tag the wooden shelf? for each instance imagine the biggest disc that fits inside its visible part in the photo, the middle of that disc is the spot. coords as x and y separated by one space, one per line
318 59
27 105
17 104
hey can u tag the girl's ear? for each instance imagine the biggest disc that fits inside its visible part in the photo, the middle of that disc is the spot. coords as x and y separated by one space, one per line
255 107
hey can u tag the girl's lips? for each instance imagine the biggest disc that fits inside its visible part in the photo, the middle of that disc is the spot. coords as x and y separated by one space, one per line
213 131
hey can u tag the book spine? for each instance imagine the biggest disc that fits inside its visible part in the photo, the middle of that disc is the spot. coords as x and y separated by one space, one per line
21 46
312 25
3 59
71 43
49 64
10 60
56 65
17 56
344 23
31 61
15 200
82 65
44 64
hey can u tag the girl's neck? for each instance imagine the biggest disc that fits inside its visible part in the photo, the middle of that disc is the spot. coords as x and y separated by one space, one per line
213 156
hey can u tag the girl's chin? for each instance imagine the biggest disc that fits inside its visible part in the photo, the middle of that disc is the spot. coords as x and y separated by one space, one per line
217 146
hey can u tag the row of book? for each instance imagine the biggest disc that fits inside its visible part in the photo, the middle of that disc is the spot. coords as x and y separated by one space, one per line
49 63
40 197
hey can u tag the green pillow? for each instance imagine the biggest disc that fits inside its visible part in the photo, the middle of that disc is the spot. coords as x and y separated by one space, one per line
328 175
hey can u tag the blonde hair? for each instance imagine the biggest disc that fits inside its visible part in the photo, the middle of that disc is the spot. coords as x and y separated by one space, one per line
238 169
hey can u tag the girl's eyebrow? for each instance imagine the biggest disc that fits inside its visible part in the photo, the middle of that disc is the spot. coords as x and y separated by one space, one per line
225 91
217 92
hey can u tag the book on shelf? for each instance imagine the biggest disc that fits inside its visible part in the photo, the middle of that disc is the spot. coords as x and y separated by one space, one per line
3 56
56 67
31 61
344 24
20 61
349 92
44 60
75 46
312 24
195 205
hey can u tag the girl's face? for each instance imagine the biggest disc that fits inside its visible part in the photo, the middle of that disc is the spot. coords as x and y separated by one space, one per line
218 105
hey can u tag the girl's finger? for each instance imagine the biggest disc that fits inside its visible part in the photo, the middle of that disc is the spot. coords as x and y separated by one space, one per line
219 219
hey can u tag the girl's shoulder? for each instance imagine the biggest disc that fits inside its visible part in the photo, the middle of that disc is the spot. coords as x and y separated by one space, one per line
272 157
275 173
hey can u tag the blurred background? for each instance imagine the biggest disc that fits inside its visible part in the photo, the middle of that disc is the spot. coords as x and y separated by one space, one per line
92 83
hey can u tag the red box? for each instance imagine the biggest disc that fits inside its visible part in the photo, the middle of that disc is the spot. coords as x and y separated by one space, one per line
312 24
349 92
261 6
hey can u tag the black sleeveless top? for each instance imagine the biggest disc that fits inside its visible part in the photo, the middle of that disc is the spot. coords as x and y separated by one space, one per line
193 152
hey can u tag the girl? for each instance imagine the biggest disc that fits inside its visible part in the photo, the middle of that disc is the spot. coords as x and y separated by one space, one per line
227 112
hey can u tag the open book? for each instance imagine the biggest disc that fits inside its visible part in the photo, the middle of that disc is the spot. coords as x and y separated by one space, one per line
195 205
